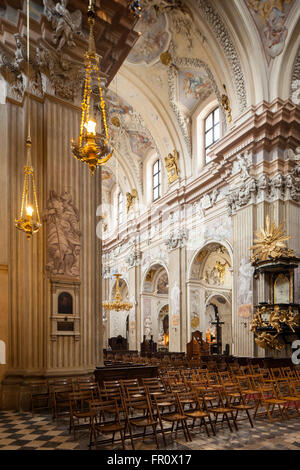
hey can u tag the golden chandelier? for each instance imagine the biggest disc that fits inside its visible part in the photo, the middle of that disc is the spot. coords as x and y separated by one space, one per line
29 218
90 148
118 303
270 243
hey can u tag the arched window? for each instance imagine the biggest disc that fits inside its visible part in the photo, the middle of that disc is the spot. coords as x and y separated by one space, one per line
156 180
120 208
211 130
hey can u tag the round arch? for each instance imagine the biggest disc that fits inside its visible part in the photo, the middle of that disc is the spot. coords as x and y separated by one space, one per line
223 243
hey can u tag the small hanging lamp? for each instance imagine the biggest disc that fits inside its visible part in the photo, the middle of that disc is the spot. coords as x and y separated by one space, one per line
29 218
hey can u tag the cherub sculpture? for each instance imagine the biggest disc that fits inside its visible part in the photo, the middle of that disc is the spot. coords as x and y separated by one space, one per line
267 340
66 24
275 319
289 319
257 320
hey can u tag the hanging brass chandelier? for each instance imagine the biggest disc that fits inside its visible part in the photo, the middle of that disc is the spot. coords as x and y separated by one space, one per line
29 218
117 304
90 148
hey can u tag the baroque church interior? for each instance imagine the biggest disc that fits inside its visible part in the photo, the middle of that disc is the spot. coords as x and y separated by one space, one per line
150 200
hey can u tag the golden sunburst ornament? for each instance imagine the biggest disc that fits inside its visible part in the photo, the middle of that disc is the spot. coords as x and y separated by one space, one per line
270 243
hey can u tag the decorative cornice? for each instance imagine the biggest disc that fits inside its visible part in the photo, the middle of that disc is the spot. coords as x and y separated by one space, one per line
252 191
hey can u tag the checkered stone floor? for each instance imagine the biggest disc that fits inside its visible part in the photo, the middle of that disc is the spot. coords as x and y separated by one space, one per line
22 431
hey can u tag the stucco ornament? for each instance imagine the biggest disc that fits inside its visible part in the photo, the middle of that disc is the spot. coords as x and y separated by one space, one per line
66 25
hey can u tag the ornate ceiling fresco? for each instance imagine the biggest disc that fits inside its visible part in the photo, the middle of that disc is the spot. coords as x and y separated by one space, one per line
155 39
270 18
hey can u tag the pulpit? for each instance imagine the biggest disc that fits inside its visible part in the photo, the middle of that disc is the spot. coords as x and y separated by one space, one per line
197 346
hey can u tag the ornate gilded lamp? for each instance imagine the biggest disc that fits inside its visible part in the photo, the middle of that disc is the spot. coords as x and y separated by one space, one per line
117 304
29 218
90 148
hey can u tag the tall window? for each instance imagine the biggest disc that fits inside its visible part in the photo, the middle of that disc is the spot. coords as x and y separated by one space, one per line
120 208
156 180
212 130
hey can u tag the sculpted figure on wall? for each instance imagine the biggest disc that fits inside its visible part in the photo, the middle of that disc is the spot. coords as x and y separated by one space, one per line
66 24
63 238
171 162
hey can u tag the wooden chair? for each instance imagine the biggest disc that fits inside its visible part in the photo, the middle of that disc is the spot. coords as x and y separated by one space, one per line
195 411
269 399
139 414
174 415
214 403
286 391
61 404
102 426
39 394
80 409
235 400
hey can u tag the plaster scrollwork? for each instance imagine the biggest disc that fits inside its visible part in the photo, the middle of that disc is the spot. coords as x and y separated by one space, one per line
66 25
241 196
209 200
65 78
133 258
295 81
176 239
63 235
11 72
217 25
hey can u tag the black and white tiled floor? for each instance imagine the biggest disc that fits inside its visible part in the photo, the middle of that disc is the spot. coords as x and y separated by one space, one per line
22 431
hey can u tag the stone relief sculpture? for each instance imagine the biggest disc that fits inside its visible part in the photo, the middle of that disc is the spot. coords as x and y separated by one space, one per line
148 327
66 24
244 163
175 300
63 238
245 277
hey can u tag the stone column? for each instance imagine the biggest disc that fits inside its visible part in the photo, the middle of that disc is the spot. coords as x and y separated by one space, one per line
4 283
176 316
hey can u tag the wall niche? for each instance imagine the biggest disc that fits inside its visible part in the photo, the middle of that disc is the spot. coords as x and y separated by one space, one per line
65 313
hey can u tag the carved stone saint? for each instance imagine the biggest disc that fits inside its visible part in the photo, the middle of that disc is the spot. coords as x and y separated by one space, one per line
66 24
63 238
172 167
